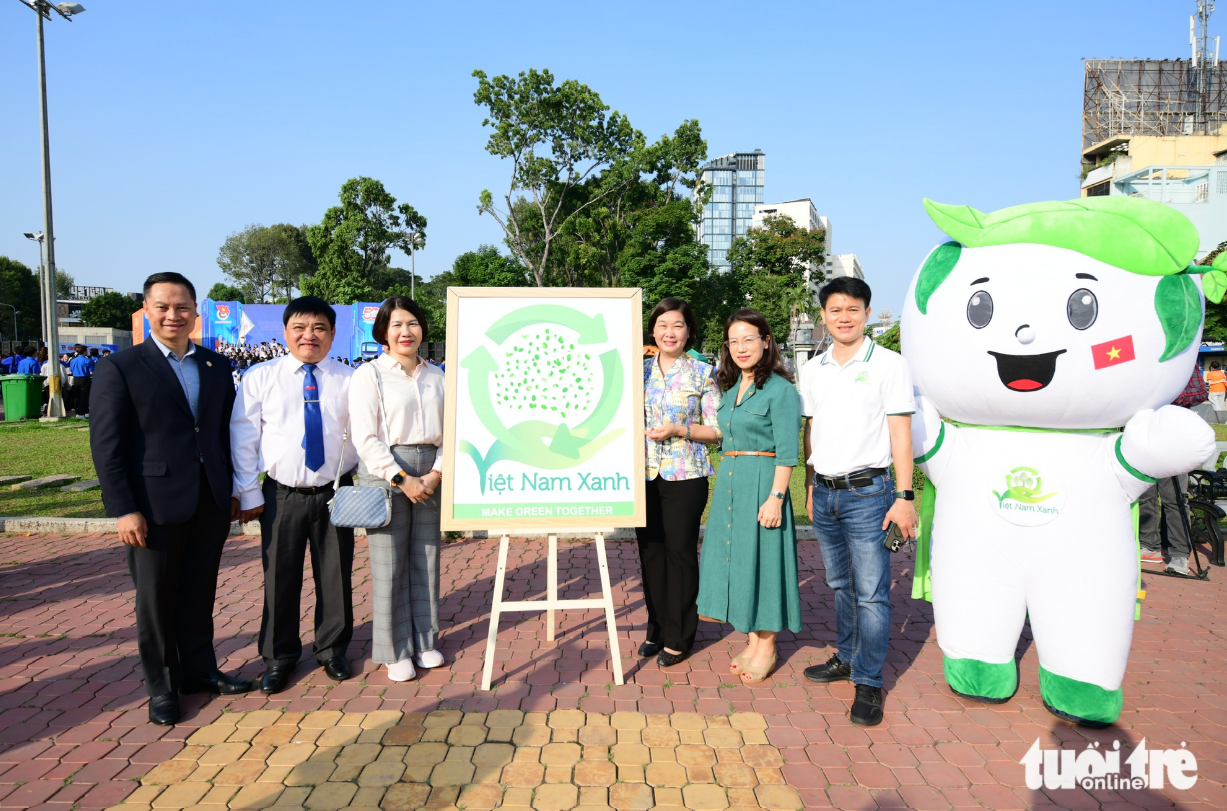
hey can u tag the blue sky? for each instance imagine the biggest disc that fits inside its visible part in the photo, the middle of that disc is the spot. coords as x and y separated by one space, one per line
175 124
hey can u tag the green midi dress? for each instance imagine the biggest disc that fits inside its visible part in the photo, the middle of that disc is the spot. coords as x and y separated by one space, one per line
748 573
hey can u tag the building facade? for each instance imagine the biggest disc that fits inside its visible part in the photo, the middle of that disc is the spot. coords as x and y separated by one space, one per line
736 183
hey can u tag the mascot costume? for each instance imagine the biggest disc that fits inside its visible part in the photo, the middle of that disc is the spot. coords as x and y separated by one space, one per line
1046 343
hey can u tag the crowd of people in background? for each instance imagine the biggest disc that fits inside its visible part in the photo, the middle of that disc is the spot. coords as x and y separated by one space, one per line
75 368
244 356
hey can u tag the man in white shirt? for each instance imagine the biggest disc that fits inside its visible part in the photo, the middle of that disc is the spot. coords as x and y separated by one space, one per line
857 402
290 416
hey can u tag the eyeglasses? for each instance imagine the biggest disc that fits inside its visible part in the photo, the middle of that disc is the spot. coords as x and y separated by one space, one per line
747 342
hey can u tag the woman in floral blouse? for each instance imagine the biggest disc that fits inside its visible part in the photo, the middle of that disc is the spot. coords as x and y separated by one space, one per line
680 401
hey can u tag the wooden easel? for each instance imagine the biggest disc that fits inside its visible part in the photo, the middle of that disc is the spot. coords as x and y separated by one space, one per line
551 601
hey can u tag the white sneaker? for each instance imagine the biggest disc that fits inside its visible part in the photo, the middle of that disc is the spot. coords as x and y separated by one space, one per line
401 671
428 659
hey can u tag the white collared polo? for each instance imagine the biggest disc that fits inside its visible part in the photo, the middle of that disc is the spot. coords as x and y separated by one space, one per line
849 405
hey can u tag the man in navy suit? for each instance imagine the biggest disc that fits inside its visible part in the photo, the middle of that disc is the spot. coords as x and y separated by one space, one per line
160 436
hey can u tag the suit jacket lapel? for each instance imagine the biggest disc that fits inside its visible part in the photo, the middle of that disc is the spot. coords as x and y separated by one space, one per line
159 366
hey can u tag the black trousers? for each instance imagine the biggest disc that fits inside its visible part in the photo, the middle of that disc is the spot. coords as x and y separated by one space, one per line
176 582
669 557
291 521
82 386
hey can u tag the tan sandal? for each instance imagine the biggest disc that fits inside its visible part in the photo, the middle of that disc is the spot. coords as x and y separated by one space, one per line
756 675
738 664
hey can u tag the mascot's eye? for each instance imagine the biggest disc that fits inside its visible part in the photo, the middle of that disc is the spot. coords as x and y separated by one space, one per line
1082 309
980 309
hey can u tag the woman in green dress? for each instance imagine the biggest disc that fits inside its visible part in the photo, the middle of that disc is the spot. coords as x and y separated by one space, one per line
748 573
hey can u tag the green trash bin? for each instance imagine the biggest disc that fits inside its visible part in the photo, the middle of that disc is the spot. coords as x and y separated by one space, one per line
23 396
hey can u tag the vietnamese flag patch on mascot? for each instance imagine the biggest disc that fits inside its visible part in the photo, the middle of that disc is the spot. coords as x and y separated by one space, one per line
1113 353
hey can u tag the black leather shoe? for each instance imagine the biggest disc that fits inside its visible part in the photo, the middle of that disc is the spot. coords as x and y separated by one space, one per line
275 679
648 649
666 659
833 670
219 684
164 710
337 668
867 707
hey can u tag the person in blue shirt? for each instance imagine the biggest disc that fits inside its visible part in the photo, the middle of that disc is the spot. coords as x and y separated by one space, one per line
82 369
27 365
9 363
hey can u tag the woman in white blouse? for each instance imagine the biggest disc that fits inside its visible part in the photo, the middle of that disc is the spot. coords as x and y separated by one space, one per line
396 414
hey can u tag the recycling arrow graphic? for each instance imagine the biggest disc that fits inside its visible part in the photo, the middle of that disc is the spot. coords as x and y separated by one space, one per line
537 442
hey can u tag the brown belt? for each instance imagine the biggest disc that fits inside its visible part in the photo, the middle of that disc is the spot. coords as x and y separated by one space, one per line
749 453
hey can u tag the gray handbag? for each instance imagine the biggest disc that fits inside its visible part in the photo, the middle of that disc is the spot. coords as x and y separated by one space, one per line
354 506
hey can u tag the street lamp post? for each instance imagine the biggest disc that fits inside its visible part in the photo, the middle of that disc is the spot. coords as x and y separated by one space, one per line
42 9
42 288
415 241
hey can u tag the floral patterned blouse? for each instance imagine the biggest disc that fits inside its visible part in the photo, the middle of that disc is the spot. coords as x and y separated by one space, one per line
686 395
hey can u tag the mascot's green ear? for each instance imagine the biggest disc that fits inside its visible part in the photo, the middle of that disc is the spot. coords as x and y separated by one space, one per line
934 271
1137 235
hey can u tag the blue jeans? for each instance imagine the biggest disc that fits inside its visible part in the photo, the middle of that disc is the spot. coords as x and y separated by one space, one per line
848 524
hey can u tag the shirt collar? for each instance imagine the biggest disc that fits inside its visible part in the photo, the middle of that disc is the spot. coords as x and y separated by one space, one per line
167 351
862 355
324 365
386 361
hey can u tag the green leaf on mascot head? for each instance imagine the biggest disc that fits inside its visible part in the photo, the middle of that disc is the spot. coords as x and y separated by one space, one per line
1214 285
934 271
1179 307
1133 234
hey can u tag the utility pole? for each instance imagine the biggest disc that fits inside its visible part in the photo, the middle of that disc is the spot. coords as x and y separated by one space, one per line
42 8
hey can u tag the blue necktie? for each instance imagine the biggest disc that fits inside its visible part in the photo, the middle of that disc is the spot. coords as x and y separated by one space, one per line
313 419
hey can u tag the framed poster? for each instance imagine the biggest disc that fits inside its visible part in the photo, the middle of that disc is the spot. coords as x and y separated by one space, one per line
544 421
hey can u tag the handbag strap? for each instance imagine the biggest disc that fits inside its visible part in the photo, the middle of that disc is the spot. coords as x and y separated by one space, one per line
336 484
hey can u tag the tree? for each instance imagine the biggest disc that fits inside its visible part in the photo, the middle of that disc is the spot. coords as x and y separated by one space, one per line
772 260
557 137
799 299
487 267
265 261
64 282
249 258
225 292
19 289
351 244
294 262
1215 327
890 339
110 310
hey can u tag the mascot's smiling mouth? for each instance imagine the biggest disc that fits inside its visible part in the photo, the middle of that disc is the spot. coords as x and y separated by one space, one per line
1026 372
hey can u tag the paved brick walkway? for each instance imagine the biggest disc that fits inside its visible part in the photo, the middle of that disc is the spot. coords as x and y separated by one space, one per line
73 731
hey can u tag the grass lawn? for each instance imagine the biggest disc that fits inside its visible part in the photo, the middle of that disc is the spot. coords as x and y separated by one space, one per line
38 449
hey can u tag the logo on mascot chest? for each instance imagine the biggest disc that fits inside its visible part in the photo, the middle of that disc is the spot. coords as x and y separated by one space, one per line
1023 500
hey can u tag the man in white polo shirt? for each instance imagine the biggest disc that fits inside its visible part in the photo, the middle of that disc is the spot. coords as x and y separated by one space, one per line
857 402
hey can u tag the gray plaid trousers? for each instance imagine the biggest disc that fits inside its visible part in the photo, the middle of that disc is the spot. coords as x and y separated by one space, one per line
405 565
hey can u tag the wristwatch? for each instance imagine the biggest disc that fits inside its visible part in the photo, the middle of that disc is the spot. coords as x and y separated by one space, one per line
778 495
906 495
399 478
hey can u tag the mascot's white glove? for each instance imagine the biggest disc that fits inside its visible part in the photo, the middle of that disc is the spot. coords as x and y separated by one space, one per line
1166 442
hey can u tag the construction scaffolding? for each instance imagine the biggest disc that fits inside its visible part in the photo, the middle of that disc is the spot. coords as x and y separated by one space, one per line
1152 97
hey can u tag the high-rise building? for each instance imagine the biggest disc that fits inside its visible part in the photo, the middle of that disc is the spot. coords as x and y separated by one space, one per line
736 182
